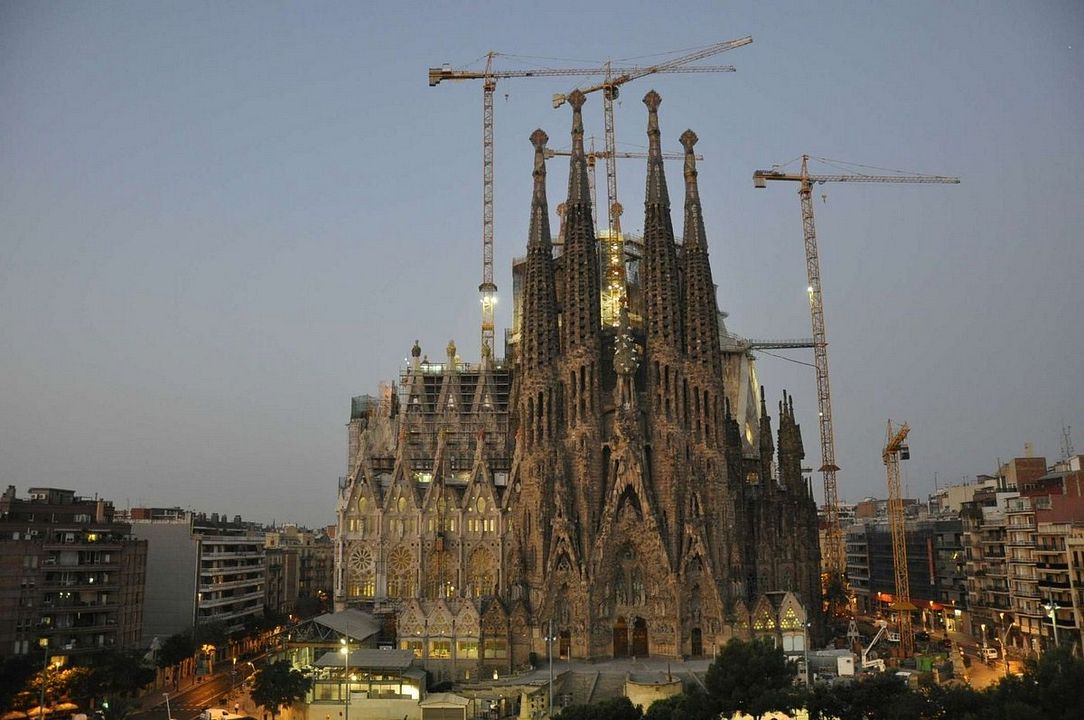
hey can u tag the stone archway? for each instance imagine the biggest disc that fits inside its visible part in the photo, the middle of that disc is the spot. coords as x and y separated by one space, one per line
696 643
621 638
639 638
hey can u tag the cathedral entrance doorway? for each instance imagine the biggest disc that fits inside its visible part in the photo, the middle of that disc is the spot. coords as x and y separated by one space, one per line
564 645
697 643
621 638
639 637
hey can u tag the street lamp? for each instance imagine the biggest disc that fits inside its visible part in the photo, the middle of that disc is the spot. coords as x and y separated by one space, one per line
44 643
549 651
169 713
1052 608
345 650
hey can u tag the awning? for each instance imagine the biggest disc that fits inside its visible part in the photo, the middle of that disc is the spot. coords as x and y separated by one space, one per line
355 624
368 659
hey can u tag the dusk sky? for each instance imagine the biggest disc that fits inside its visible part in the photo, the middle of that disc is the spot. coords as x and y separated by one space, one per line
219 221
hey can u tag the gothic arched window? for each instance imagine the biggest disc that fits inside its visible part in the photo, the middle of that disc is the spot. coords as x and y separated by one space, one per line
481 573
401 573
362 580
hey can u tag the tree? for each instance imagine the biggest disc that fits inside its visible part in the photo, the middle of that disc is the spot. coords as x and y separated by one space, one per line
693 705
279 685
1049 688
615 709
175 649
118 672
753 677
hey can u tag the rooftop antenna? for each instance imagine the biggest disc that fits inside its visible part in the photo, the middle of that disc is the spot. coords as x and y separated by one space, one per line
1066 441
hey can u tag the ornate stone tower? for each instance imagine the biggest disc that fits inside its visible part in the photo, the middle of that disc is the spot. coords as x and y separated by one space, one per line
600 483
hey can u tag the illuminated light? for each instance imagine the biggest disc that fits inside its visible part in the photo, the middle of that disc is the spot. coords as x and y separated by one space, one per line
809 289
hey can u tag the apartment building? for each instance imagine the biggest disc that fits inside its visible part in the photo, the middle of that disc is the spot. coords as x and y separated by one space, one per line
1024 551
300 563
71 576
201 570
935 564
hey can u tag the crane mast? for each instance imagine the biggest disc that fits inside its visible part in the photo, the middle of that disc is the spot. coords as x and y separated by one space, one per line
836 560
487 289
894 451
834 554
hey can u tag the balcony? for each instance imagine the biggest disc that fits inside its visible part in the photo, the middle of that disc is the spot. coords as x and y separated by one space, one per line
206 602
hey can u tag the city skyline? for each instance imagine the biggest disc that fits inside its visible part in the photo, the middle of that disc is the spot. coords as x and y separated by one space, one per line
222 222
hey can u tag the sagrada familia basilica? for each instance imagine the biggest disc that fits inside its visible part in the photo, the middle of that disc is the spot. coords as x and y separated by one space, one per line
614 487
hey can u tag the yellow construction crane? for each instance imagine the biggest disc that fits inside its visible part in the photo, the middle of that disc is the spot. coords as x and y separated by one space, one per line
835 560
614 79
895 450
489 77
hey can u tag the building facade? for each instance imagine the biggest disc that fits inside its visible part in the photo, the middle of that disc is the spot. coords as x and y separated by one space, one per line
300 564
1023 557
616 484
201 570
935 568
71 576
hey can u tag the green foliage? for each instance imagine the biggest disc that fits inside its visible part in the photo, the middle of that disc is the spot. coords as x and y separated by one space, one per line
616 709
214 633
1049 688
175 649
693 705
753 677
118 672
279 685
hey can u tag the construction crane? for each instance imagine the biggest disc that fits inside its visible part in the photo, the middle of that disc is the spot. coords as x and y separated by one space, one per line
613 239
489 77
895 450
836 560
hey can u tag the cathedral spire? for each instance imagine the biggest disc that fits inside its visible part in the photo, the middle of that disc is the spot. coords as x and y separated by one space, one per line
538 328
580 324
660 269
701 310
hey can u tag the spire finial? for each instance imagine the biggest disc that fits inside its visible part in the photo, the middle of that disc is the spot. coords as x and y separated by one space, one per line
688 140
539 139
656 181
763 403
652 99
538 199
579 189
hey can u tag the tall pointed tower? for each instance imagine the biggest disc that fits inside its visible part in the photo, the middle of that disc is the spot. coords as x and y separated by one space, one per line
536 464
666 395
581 348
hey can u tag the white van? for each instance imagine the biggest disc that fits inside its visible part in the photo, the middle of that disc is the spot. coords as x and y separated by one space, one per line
988 653
221 714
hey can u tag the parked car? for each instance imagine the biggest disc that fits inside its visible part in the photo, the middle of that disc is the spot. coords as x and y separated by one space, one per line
946 643
922 636
988 653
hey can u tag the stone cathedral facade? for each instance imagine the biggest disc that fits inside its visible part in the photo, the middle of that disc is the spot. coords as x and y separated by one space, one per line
616 482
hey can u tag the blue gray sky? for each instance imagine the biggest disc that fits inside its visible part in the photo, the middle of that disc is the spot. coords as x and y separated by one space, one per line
219 221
